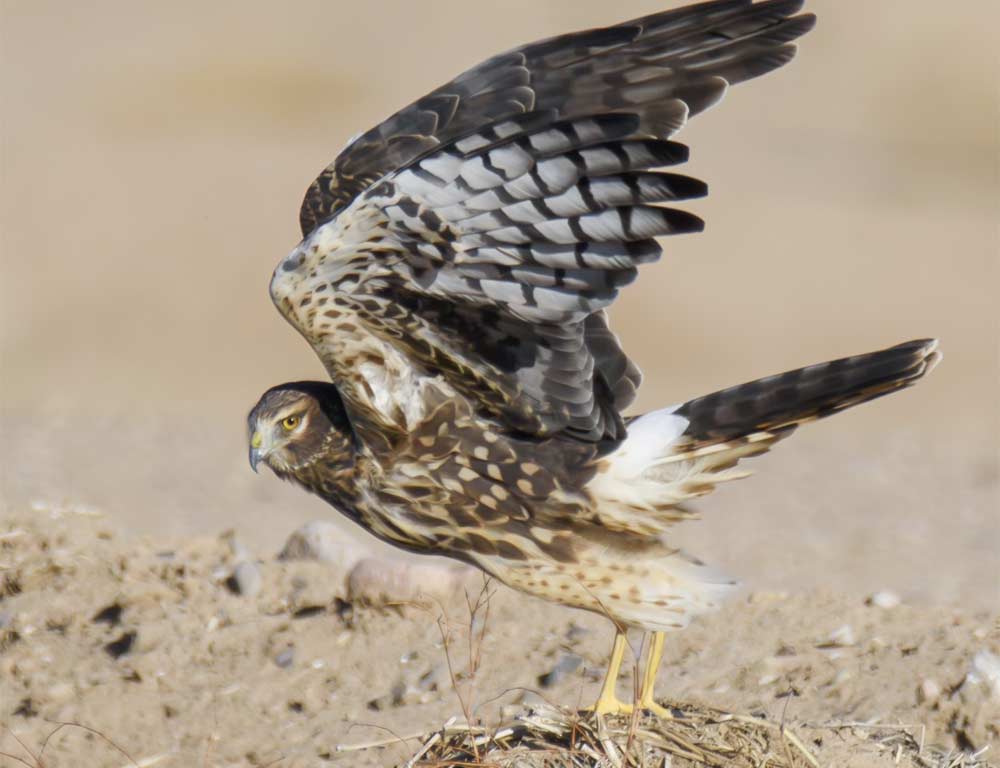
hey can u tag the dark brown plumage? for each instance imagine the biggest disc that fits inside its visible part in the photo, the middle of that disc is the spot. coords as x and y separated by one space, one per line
457 263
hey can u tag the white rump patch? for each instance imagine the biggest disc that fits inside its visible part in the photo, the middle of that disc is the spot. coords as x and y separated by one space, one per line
649 439
643 482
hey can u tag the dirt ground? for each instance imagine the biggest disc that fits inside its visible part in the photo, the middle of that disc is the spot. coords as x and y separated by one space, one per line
149 644
153 158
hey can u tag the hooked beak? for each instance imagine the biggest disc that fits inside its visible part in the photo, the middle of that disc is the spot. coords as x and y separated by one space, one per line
256 454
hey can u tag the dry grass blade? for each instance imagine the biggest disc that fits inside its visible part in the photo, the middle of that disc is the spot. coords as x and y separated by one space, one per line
548 736
544 736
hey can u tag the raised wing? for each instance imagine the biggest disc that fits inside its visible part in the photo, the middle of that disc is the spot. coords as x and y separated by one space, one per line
689 55
488 253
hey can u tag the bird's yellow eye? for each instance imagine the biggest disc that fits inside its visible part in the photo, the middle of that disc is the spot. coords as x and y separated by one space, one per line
290 422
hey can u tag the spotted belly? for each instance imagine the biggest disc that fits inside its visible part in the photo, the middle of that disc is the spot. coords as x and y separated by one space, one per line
662 592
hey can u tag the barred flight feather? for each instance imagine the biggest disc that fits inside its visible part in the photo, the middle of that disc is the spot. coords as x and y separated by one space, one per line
649 66
524 192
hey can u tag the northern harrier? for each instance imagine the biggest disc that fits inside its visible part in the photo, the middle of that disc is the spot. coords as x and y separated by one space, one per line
454 274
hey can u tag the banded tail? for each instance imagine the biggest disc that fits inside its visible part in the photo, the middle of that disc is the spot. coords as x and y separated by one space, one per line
682 452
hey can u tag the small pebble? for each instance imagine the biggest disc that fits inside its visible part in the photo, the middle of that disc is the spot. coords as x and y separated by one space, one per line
431 679
378 704
60 693
245 579
928 691
285 658
118 648
398 693
841 637
884 599
235 546
567 664
985 670
111 614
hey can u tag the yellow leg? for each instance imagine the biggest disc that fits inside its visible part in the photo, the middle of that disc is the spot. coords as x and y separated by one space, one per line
646 700
608 703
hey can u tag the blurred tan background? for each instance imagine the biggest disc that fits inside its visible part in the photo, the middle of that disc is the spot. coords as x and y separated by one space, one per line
153 160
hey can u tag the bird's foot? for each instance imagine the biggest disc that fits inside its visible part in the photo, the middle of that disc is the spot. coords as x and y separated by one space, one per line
609 705
612 705
653 708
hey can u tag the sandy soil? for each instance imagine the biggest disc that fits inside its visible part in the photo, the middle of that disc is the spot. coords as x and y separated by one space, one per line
153 157
147 643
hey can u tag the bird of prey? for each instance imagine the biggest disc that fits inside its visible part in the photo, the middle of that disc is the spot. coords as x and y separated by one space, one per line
457 264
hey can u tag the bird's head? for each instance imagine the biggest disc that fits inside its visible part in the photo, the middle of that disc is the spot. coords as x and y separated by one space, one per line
296 424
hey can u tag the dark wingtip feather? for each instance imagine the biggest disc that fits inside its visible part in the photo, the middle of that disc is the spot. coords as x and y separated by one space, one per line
669 152
925 353
687 187
682 222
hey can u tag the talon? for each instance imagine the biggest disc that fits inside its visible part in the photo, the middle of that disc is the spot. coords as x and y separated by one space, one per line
655 709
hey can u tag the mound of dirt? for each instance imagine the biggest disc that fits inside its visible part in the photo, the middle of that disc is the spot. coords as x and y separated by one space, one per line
543 735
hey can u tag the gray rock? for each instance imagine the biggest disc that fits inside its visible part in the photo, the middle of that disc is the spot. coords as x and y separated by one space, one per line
985 671
245 579
285 658
929 691
398 692
566 665
323 541
380 582
884 599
